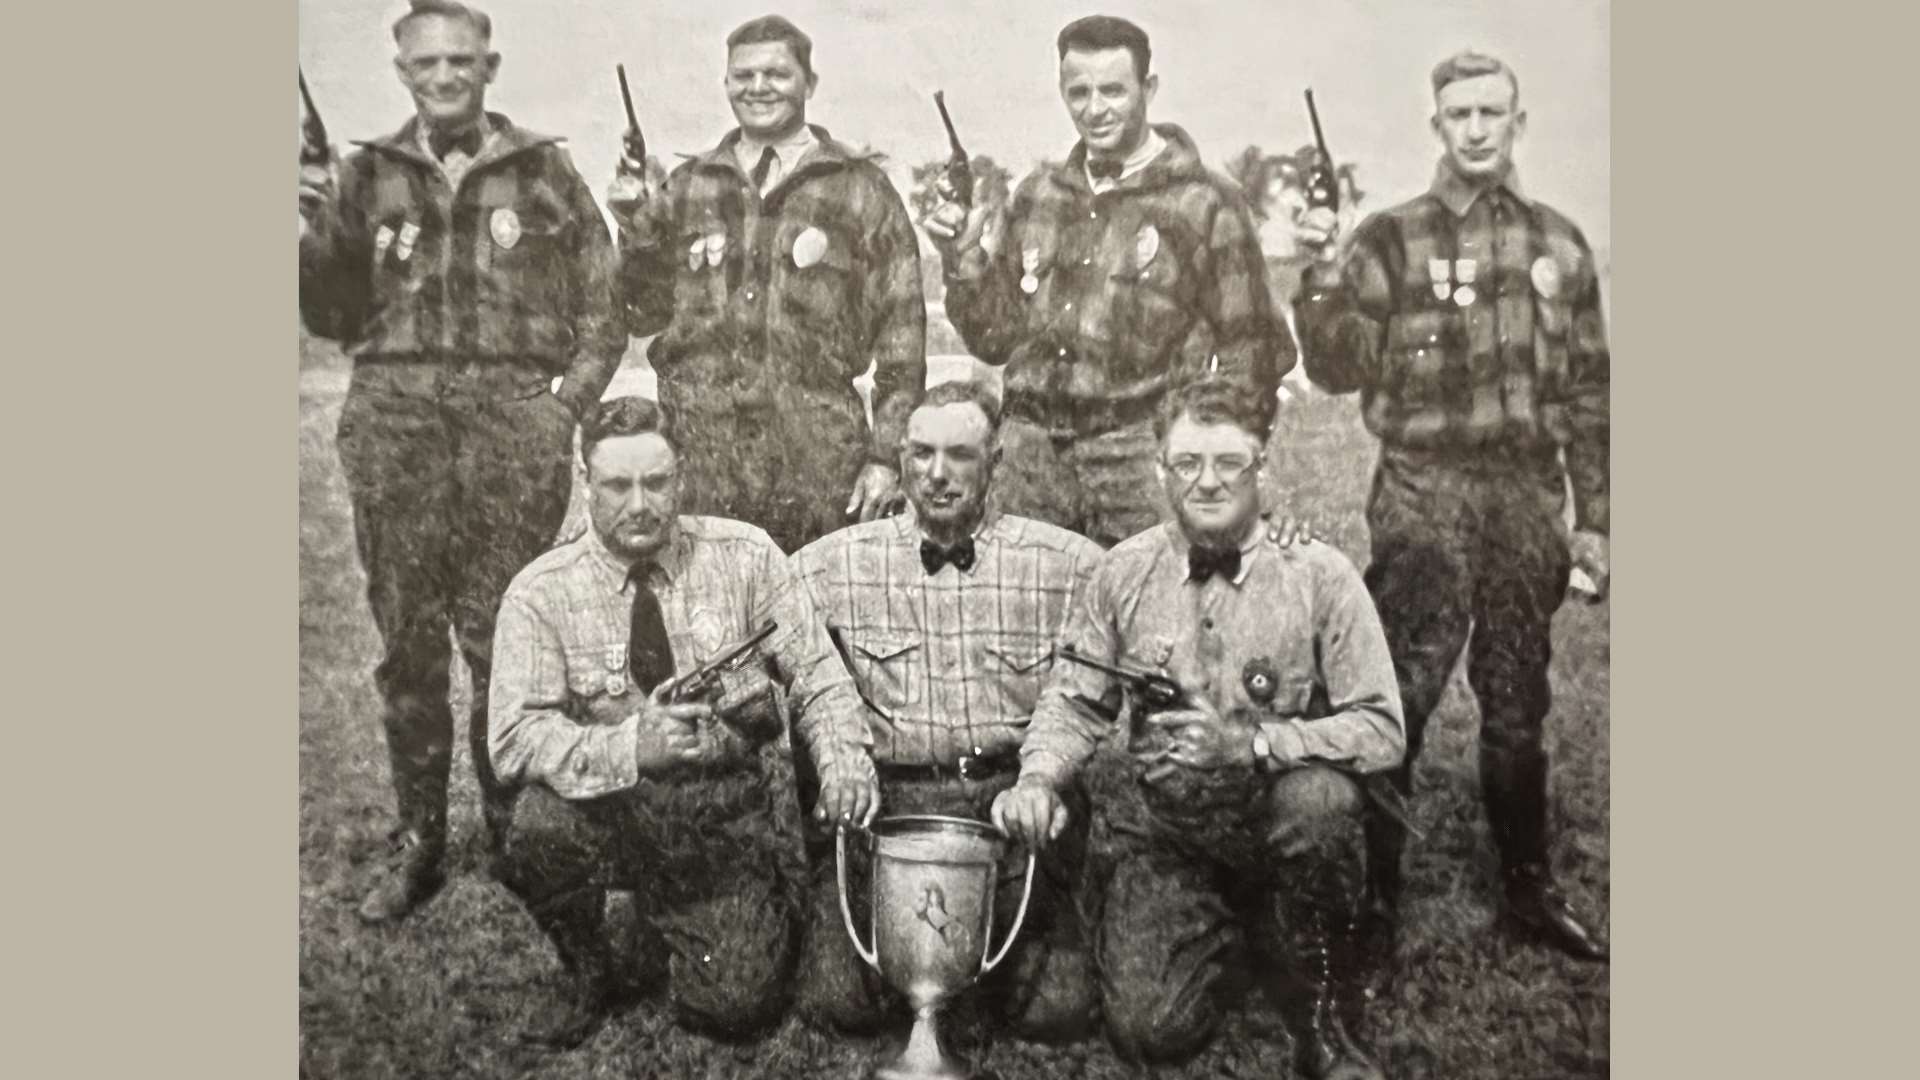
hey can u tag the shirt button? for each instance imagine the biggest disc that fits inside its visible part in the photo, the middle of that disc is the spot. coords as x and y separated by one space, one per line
1069 305
749 294
1063 352
1086 262
1207 623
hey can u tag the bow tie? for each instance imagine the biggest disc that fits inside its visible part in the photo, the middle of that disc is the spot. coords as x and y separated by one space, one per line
443 143
1103 168
1203 563
933 556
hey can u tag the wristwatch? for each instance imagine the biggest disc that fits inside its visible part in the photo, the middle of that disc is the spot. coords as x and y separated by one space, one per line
1262 750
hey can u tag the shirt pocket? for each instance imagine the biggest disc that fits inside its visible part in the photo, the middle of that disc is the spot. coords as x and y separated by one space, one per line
521 250
890 667
599 688
1017 669
818 278
1154 300
1418 343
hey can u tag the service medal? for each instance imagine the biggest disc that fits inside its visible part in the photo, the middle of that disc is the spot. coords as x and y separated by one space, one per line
1463 295
616 684
1146 244
505 226
694 252
409 232
1442 275
1546 277
1260 680
382 240
1466 271
716 248
1030 261
809 247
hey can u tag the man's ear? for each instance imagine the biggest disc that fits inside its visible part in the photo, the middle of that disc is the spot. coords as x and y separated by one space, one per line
1150 87
813 83
491 68
1519 124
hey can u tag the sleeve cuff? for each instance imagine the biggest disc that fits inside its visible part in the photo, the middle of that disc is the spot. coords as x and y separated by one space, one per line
1285 743
1041 765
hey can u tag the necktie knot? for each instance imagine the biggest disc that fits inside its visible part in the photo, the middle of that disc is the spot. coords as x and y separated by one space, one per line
1203 563
1103 168
443 143
933 556
764 167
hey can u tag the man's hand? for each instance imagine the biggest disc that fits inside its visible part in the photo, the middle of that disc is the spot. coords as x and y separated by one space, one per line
636 199
876 492
1287 530
848 796
1031 812
317 186
672 735
1589 551
1318 231
1201 738
960 233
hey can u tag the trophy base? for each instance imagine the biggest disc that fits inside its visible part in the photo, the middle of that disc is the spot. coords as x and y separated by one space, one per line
924 1058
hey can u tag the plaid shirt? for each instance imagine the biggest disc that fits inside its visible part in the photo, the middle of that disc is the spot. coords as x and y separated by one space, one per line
1516 358
511 263
1101 303
955 660
754 295
1294 640
561 711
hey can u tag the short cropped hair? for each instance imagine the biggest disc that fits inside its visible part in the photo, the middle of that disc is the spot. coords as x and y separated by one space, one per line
966 392
769 28
620 417
1108 32
1467 64
1217 400
447 9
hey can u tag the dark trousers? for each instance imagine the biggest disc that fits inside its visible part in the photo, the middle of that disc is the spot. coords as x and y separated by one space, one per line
1101 486
711 868
786 463
1044 988
1191 908
458 479
1470 551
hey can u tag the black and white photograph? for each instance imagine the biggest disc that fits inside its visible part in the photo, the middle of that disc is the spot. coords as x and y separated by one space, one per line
1009 539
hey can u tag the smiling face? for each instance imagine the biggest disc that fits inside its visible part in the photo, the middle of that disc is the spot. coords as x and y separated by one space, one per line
1478 120
947 460
768 89
1211 475
444 63
633 490
1106 99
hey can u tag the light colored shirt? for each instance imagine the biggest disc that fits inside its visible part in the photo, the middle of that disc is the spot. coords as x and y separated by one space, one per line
562 711
786 154
455 165
1294 639
955 660
1141 157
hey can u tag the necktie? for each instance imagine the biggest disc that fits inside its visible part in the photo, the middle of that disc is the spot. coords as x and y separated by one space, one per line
1103 168
649 653
445 142
933 556
1203 563
765 166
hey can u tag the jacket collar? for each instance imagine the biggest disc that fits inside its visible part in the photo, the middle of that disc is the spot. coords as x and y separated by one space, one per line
1180 161
826 151
1459 193
507 140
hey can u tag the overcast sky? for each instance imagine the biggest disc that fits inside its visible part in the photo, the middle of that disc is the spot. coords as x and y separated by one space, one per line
1231 73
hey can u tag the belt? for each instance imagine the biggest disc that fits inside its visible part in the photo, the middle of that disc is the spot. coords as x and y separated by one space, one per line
969 767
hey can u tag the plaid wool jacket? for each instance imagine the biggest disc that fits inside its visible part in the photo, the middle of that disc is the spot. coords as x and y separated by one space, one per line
1469 319
514 264
803 286
1099 303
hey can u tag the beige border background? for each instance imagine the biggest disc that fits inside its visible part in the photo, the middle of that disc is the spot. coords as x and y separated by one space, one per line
153 779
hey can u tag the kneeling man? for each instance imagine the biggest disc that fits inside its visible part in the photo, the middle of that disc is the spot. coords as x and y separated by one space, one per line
1231 810
680 802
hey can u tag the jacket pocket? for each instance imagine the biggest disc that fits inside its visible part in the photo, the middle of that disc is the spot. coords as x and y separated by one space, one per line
1018 671
891 668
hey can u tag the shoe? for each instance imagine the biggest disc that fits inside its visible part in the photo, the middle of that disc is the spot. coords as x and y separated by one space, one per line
573 1017
1326 944
413 877
1536 911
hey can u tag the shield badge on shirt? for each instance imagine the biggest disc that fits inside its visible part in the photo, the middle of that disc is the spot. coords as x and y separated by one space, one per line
505 226
1546 277
1440 272
1260 680
809 247
1146 244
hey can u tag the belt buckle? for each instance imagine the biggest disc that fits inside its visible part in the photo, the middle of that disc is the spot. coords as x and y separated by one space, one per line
968 762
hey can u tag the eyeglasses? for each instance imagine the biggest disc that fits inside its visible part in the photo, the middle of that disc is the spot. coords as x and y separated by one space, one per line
1229 468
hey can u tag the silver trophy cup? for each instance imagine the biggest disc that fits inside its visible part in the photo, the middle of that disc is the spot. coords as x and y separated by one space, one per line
933 886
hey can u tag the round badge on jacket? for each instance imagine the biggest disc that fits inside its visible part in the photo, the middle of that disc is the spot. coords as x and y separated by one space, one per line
809 247
1146 244
1260 680
505 226
1546 277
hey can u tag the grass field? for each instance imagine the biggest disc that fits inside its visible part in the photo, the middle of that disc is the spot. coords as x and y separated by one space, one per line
441 994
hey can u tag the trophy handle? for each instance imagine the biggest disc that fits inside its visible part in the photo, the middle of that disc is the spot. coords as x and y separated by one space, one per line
1026 893
871 956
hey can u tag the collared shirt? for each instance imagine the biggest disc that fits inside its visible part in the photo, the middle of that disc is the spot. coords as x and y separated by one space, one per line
1142 155
1293 640
1098 303
787 154
561 710
1469 318
956 659
756 298
455 165
510 262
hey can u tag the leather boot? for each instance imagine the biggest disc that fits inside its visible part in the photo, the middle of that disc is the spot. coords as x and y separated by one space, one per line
415 872
576 924
1537 911
1325 946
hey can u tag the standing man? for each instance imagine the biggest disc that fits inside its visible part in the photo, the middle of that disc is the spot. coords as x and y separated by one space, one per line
462 263
1469 321
949 614
681 803
1113 278
1235 808
776 267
